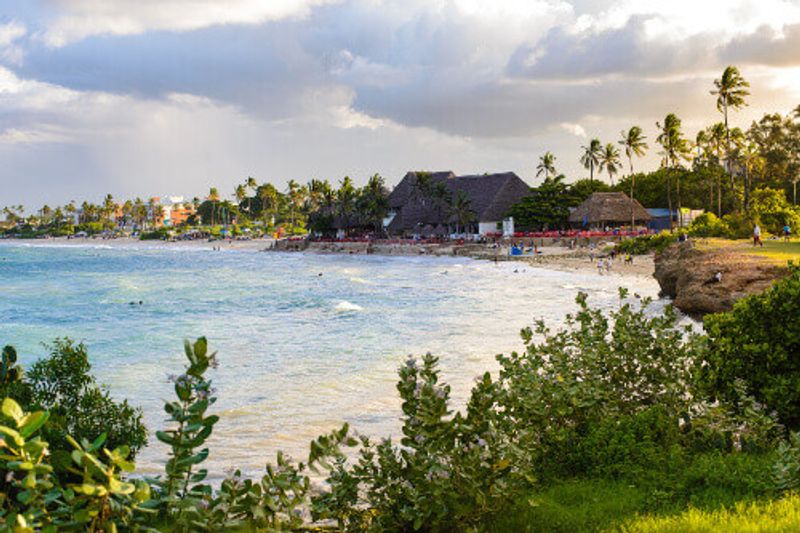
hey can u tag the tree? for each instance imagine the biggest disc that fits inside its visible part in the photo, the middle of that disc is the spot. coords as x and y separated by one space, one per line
590 158
213 197
609 160
240 193
731 90
633 142
547 207
373 203
346 197
270 199
461 210
251 184
546 165
674 149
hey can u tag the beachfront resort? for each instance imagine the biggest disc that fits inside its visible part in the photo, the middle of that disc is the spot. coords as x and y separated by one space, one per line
399 266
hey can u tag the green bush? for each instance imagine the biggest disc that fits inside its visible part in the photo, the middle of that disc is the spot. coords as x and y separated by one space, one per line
757 343
644 244
708 225
160 234
62 384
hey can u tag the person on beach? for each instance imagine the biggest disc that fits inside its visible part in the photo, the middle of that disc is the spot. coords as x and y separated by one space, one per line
608 265
600 266
757 236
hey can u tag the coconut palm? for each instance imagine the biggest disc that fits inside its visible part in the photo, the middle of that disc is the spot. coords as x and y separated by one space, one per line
731 90
373 202
609 160
213 197
240 193
546 165
461 210
270 198
674 149
590 158
633 142
751 162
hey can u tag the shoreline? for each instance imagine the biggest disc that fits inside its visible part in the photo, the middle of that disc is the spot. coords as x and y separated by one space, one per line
551 257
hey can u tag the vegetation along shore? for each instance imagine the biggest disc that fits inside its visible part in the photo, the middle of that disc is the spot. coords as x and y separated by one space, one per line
624 419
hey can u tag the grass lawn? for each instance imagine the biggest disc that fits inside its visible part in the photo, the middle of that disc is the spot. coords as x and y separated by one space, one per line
777 251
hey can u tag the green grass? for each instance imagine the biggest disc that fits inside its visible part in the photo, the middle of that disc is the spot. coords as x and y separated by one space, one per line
778 251
780 515
709 482
573 506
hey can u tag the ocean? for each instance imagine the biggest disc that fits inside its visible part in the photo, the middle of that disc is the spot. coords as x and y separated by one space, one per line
305 342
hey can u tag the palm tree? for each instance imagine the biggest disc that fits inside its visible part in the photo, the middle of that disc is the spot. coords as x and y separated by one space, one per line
731 90
269 196
296 194
213 197
240 193
674 149
346 197
374 202
590 158
609 160
751 161
461 210
633 141
251 184
546 165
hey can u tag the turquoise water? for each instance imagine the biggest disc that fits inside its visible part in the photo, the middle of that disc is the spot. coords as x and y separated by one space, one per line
299 353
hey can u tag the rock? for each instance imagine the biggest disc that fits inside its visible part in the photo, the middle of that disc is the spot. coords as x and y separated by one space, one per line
686 274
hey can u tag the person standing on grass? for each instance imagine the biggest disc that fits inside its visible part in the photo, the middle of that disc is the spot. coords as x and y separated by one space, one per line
787 231
757 236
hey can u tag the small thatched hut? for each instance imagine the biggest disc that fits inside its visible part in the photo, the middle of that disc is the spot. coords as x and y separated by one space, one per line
608 209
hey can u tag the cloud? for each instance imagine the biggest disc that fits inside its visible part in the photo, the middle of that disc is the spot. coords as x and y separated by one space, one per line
80 19
10 51
129 95
574 129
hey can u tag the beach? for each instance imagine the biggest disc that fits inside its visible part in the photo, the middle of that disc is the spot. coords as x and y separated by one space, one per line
560 258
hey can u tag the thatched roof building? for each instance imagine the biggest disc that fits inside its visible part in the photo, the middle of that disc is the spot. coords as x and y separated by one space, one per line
490 197
608 208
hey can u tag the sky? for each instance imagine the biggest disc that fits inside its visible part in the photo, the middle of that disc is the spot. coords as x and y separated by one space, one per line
171 97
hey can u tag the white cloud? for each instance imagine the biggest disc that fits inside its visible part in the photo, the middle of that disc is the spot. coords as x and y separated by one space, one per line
574 129
84 18
10 52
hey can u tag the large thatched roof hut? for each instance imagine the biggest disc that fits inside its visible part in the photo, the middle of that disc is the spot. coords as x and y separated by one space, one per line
490 197
608 208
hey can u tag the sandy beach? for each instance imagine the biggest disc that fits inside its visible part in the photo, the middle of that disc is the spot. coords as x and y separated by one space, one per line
550 257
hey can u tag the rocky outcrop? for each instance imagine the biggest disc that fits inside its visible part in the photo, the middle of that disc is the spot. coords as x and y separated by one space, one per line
686 274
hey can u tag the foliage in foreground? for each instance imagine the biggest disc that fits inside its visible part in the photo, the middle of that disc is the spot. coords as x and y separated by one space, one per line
612 396
62 385
757 344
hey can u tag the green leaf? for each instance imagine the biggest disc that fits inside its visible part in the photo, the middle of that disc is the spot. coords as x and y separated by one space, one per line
32 422
12 410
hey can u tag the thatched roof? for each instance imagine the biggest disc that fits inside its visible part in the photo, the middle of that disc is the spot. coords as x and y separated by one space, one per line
609 207
490 195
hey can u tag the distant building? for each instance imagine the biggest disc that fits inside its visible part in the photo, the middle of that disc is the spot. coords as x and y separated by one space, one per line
414 211
603 209
663 221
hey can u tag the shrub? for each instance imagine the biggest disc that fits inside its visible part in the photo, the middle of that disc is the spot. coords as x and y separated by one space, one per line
757 343
447 474
644 244
708 225
160 234
62 384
